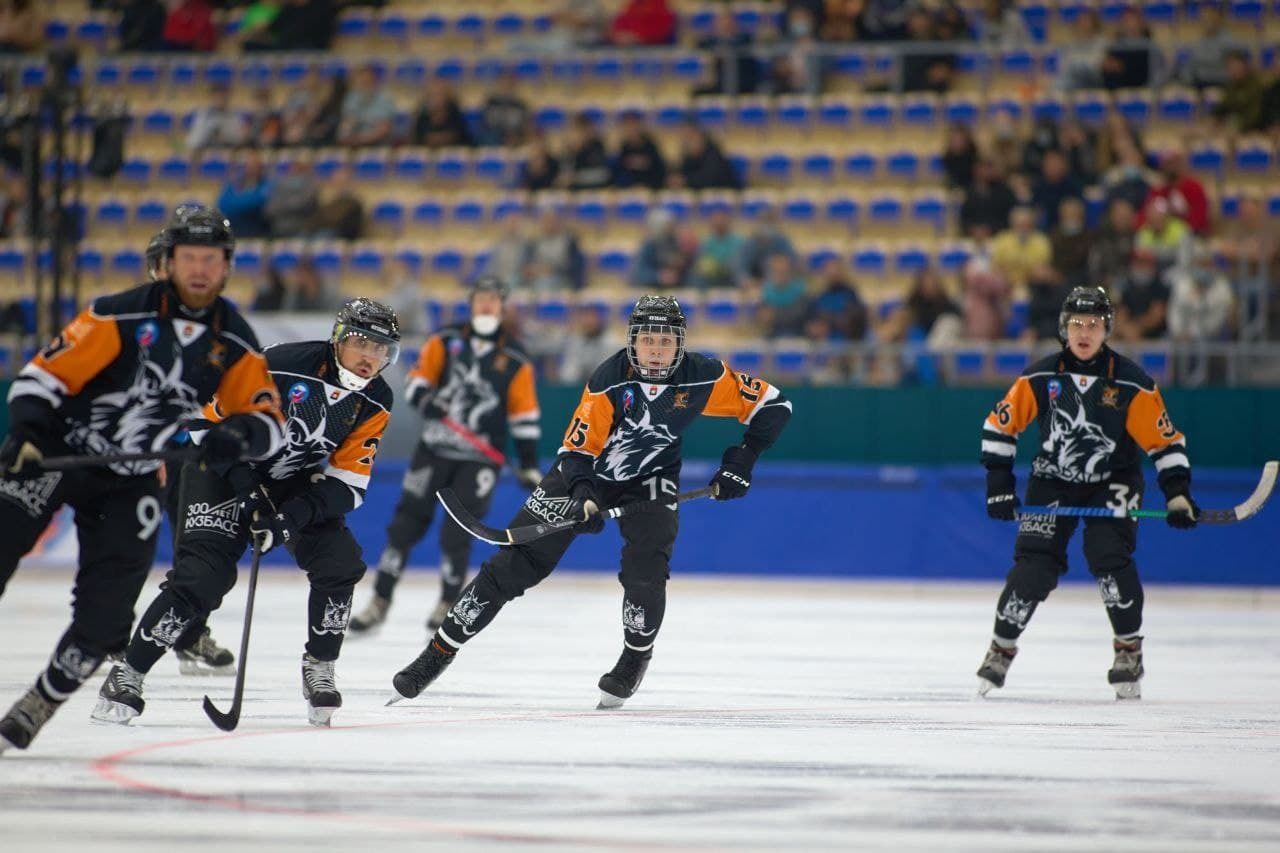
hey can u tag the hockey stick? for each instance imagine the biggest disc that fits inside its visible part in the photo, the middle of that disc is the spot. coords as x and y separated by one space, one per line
490 452
228 721
66 463
1248 509
532 532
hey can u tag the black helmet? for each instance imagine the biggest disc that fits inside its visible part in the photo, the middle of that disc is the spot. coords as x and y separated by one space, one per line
493 284
197 225
1092 301
373 321
656 315
157 251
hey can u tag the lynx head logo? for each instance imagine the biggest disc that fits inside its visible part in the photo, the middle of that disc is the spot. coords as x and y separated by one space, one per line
336 616
632 616
1110 591
1077 443
468 608
167 630
1016 611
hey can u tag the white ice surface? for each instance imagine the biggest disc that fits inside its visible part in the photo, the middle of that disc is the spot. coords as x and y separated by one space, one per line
775 715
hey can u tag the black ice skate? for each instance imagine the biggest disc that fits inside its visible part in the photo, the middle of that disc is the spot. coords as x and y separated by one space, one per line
995 666
205 657
1126 672
426 668
437 617
319 690
620 683
367 622
19 727
120 699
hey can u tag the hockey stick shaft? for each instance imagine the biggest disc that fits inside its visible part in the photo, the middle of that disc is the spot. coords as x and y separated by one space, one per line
67 463
489 452
228 721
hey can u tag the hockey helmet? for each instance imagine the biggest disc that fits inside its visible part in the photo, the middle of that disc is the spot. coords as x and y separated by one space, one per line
157 251
1091 301
373 322
657 315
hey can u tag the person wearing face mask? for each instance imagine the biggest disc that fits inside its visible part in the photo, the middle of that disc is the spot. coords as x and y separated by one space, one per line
474 387
1097 413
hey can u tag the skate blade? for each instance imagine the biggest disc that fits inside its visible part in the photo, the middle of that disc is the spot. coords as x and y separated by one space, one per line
609 702
395 697
320 717
109 712
985 687
191 667
1128 690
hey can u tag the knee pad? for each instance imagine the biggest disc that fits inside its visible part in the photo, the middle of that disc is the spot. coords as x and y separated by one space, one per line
1032 580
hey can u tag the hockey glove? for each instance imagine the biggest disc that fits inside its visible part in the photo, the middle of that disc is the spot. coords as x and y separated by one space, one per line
1183 512
734 477
424 400
529 477
19 457
225 443
256 502
272 529
1002 494
586 506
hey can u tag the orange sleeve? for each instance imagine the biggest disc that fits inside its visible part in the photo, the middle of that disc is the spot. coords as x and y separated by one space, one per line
1016 411
737 395
522 394
352 461
1149 423
87 345
592 420
430 362
247 386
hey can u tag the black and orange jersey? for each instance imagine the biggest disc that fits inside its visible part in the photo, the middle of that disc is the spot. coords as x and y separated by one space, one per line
1093 420
125 375
486 385
627 427
328 429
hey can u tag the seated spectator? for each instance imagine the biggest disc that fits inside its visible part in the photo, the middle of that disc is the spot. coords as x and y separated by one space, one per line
291 201
928 317
21 27
1043 139
987 201
661 262
299 25
959 156
1206 58
1113 246
766 239
505 117
217 124
141 25
719 260
266 123
555 258
586 346
309 290
988 300
1055 185
585 163
837 312
243 199
1201 301
509 254
1240 110
798 69
439 122
1252 241
927 69
644 23
575 24
1021 252
313 112
339 211
881 20
703 166
189 27
734 71
1082 55
804 18
1127 64
405 297
1071 243
13 197
784 301
256 20
1166 236
1079 144
1186 195
1144 300
270 294
1129 178
540 169
639 162
368 113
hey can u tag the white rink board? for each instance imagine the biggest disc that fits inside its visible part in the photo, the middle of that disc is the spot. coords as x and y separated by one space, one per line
775 715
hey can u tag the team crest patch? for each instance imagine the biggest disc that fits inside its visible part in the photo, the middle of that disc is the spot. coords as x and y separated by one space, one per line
455 346
681 400
298 393
628 399
1111 397
1055 388
147 333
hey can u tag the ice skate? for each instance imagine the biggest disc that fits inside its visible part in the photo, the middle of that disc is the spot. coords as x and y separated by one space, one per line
995 666
370 620
1126 672
426 668
206 657
120 698
437 617
319 690
620 683
24 720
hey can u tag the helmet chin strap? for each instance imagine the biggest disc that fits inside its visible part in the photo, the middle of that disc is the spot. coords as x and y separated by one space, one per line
351 381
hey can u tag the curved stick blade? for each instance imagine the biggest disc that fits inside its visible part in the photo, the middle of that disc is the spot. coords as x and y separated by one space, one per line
226 722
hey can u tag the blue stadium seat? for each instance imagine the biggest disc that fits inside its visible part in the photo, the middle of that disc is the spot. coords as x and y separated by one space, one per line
213 166
551 310
968 363
690 67
931 208
1248 11
366 260
142 72
428 212
792 361
860 165
126 262
678 204
1003 105
1090 107
470 25
952 257
494 165
55 30
753 205
369 167
816 259
90 259
909 259
389 213
1048 106
108 73
410 72
451 166
800 209
507 205
746 360
1019 319
630 208
843 209
753 113
469 211
722 311
508 24
32 76
94 31
835 111
590 210
410 167
1208 157
820 166
962 109
393 26
248 257
1177 106
448 261
1155 363
795 112
136 170
111 211
1254 156
12 260
711 113
219 73
450 69
292 71
1134 106
175 169
920 111
431 25
614 262
151 211
878 112
607 68
903 165
852 64
550 118
1035 17
1018 62
1161 12
158 121
870 260
327 258
885 209
777 166
256 74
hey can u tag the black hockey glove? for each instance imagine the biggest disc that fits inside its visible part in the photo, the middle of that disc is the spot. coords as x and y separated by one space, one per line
256 502
19 457
1002 494
1184 514
585 505
424 400
225 443
734 477
278 528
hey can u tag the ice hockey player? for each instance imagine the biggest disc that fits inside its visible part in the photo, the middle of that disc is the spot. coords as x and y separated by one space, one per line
121 378
1095 410
336 408
473 385
622 446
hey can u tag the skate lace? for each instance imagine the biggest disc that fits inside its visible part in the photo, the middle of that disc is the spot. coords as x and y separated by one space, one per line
998 660
126 679
34 708
1127 659
205 646
319 674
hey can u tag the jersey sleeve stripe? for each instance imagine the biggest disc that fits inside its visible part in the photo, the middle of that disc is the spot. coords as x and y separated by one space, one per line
769 397
26 386
351 478
1172 460
526 430
999 448
273 430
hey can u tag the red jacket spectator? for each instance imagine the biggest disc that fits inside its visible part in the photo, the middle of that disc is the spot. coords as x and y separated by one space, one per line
644 22
190 27
1187 199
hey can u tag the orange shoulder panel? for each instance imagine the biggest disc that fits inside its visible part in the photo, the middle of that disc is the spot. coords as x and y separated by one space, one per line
736 395
430 361
592 420
522 395
1018 409
81 350
1149 423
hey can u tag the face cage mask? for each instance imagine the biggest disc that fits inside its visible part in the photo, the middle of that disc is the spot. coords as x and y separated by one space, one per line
1107 319
650 374
354 381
